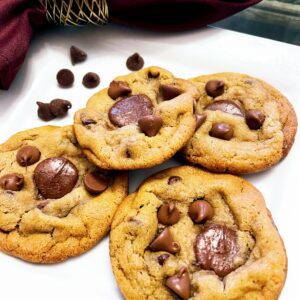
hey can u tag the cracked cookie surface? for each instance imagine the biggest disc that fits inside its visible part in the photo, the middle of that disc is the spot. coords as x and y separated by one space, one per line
190 234
249 126
54 203
140 121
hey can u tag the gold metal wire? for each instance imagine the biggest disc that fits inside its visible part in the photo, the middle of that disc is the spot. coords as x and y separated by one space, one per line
77 12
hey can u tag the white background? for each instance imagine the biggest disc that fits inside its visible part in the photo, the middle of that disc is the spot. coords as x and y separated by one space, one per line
187 55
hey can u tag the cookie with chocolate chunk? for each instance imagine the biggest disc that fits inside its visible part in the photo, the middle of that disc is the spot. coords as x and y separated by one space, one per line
246 125
54 203
202 236
139 121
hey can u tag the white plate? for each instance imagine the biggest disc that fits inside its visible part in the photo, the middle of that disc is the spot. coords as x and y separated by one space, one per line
186 54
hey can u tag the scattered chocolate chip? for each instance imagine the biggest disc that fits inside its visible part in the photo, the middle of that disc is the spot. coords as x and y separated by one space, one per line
150 125
164 242
44 111
174 179
200 211
77 55
200 119
215 88
216 249
254 118
12 182
95 182
55 177
86 122
42 203
65 77
180 283
135 62
168 214
91 80
60 107
227 106
221 131
130 109
118 89
153 74
169 91
28 155
162 258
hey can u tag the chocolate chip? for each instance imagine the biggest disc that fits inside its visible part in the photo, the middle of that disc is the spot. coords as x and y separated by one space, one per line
221 131
95 182
130 109
226 106
174 179
12 182
216 249
42 203
28 155
153 74
164 242
86 122
168 214
162 258
65 77
215 88
150 125
77 55
118 89
180 283
91 80
169 91
60 107
44 111
55 177
200 211
254 118
135 62
200 119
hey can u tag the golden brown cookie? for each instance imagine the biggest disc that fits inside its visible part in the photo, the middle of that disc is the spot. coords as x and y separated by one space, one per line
244 124
54 203
140 121
190 234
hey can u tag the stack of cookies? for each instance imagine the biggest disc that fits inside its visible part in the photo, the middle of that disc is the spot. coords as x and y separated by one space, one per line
185 233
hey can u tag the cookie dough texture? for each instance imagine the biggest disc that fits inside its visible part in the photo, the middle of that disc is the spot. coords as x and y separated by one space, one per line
127 147
249 150
236 204
64 227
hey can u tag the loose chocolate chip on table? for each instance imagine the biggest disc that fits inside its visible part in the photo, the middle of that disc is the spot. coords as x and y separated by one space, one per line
221 131
44 111
65 77
77 55
164 242
117 89
180 283
135 62
169 91
12 182
95 182
200 211
216 249
28 155
150 125
55 177
200 119
254 118
226 106
60 107
168 214
174 179
91 80
215 88
130 109
162 258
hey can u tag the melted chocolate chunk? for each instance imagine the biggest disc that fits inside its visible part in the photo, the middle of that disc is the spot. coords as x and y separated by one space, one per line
226 106
168 214
95 182
169 91
222 131
254 118
215 88
28 155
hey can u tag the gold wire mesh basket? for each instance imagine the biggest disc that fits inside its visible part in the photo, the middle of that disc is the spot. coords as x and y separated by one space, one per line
77 12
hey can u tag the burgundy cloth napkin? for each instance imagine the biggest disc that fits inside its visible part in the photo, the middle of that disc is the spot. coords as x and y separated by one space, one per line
19 19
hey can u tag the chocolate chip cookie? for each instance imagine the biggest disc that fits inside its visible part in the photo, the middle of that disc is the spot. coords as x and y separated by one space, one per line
190 234
139 121
244 124
54 203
